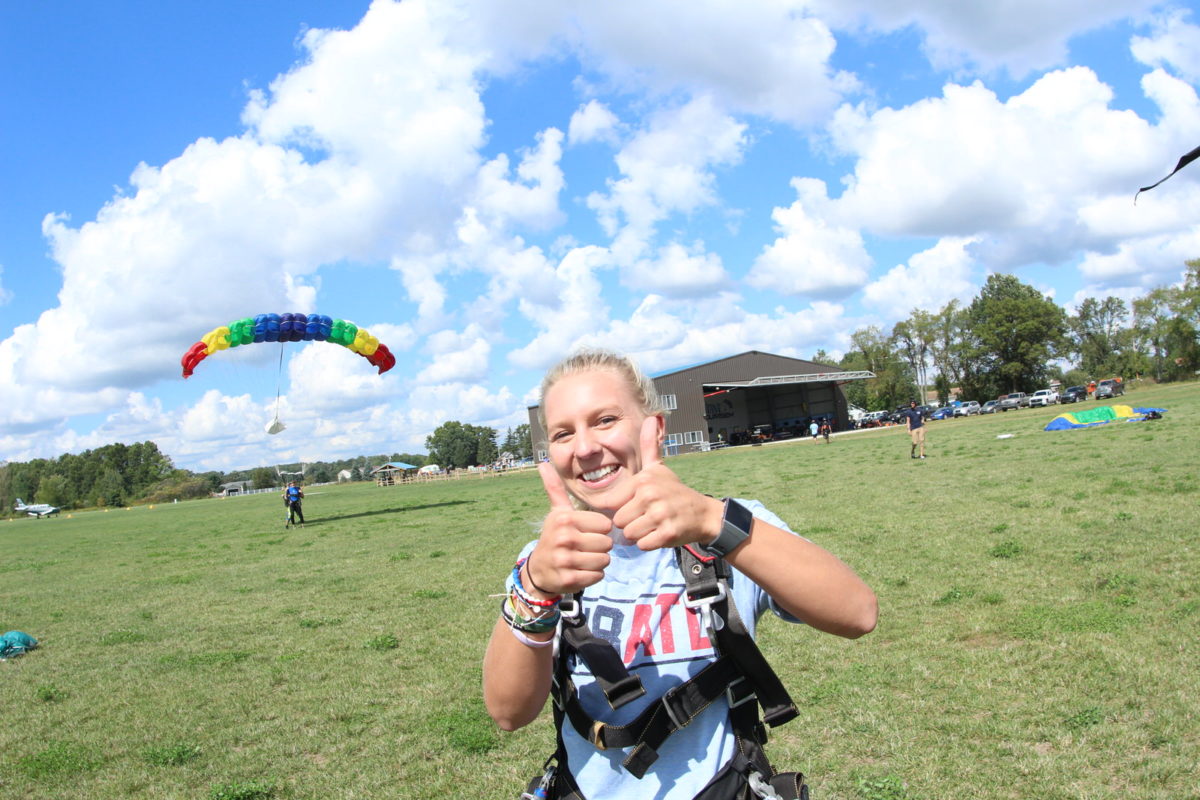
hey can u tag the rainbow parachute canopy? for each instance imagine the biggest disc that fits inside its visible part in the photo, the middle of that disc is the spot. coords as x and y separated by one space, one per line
1101 415
289 328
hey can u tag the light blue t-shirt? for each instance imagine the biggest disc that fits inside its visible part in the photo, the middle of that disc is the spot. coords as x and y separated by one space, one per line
638 608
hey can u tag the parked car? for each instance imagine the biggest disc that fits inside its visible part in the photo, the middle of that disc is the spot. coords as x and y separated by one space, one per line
1109 388
1043 397
990 407
1074 394
967 408
1014 401
945 412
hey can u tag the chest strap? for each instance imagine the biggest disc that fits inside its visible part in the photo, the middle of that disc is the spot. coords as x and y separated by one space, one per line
740 673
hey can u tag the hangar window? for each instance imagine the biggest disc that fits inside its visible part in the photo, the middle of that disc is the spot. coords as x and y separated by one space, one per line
672 439
693 437
668 402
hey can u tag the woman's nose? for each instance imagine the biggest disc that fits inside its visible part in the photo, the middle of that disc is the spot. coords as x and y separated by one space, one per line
586 443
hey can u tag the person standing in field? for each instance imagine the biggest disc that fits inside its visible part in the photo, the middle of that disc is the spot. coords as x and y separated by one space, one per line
609 565
826 429
915 421
813 429
293 497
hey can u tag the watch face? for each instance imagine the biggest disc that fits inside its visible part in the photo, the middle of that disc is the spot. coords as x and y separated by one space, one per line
735 528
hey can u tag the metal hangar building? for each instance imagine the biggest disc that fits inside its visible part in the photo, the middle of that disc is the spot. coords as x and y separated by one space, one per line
727 400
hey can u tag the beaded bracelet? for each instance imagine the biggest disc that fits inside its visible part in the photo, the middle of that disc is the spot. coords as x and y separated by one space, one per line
514 585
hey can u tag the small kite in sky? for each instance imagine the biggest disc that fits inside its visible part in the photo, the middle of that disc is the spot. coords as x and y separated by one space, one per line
1183 162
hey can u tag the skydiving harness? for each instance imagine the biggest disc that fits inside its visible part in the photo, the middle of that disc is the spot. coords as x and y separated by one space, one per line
740 674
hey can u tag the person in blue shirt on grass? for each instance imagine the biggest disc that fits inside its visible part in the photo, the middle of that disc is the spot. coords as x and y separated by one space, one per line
293 496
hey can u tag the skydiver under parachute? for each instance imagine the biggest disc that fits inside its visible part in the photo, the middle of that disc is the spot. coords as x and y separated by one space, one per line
285 328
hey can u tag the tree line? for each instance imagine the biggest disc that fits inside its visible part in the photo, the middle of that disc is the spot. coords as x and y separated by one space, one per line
1012 338
107 476
457 445
117 475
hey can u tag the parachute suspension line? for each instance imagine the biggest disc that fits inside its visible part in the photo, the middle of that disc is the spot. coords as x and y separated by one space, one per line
275 426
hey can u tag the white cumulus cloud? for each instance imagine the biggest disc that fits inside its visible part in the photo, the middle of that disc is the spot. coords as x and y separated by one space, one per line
813 256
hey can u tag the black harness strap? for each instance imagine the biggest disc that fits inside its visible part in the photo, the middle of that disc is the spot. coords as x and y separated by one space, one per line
741 673
732 638
602 659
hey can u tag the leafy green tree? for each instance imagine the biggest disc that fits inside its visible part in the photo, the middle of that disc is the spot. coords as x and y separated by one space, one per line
1166 321
942 385
522 442
109 489
915 338
1151 314
485 445
55 490
453 444
264 478
892 385
1018 332
1096 335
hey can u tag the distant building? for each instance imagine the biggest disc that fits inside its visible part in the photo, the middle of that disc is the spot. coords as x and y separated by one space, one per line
729 400
235 487
345 475
393 472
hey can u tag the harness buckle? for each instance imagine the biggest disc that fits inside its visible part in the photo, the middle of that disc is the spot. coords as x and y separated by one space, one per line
761 788
745 698
542 790
668 700
569 608
711 622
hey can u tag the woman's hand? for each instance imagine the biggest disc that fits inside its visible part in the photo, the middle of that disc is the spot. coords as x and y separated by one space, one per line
572 552
664 512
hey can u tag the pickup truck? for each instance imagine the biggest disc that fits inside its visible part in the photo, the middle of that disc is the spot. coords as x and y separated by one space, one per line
1109 388
1043 397
1014 401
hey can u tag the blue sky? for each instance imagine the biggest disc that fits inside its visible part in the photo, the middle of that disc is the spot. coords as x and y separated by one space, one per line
486 187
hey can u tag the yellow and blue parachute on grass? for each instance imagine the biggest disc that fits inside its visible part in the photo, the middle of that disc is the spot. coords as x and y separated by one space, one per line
1101 415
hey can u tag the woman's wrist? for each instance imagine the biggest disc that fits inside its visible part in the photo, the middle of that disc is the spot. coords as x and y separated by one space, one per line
531 585
714 519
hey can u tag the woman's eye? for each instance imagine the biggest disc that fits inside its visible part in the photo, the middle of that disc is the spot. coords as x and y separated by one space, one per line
607 420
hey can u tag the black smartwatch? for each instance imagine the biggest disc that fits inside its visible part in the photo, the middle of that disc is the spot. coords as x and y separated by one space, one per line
735 528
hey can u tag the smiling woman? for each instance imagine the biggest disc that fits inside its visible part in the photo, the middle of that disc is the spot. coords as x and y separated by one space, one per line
658 701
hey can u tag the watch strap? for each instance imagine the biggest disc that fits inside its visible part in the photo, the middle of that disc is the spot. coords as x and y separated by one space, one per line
735 528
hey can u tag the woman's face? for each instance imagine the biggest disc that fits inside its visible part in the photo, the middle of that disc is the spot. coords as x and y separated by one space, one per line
593 426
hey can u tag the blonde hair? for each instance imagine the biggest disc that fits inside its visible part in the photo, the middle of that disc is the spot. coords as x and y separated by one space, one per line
592 359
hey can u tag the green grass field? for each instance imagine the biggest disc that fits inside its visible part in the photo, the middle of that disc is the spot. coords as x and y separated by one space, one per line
1039 597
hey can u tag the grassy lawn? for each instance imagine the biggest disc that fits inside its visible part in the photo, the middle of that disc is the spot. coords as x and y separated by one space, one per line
1039 595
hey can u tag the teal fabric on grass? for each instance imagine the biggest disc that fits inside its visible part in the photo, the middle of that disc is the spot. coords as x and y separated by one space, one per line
14 643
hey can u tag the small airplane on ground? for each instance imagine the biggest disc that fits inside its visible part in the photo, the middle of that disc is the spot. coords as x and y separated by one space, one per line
35 510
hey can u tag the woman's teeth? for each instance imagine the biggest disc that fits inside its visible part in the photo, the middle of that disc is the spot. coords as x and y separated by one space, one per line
597 474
